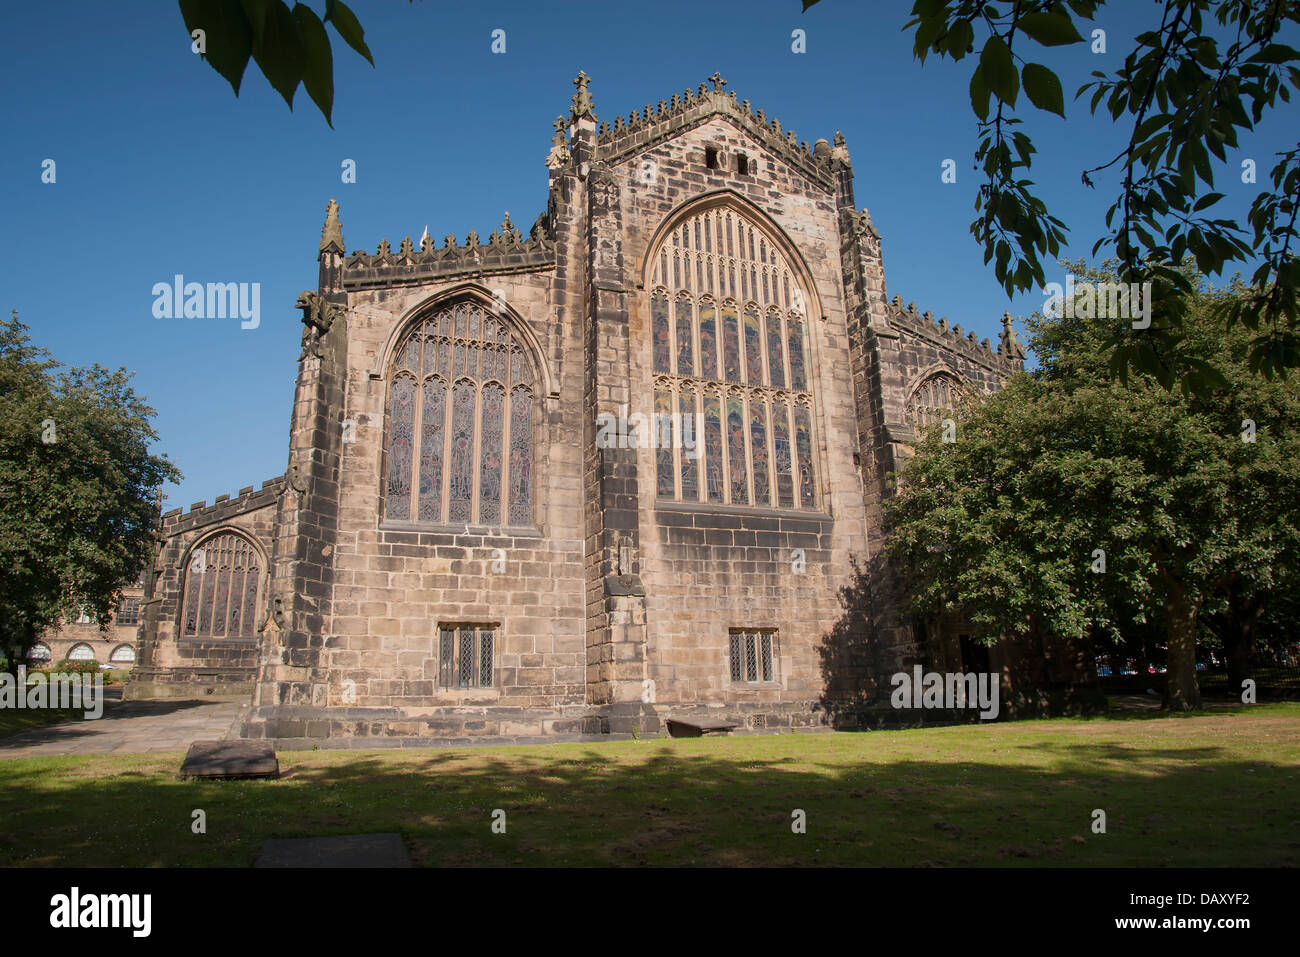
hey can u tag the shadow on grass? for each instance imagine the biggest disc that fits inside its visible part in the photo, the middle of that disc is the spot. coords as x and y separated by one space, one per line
886 799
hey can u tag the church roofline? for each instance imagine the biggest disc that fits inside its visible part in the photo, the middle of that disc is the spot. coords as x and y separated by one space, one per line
1009 354
505 251
650 126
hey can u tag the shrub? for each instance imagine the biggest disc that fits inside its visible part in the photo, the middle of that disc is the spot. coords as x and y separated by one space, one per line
90 667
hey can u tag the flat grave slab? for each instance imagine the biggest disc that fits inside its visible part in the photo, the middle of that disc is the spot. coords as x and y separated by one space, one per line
696 727
230 759
349 850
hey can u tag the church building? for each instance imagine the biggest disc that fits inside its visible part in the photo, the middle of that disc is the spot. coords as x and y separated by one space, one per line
624 467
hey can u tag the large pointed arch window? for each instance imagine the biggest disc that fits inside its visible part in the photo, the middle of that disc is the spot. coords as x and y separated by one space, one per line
224 583
460 418
730 351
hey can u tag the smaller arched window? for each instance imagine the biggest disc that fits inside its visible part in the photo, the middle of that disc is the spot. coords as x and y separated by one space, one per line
122 655
934 400
81 652
40 652
223 588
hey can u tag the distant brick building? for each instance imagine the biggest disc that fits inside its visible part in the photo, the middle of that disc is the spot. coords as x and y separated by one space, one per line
82 639
468 542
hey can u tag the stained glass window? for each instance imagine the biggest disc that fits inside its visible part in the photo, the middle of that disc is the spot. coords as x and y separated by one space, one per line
435 403
730 343
708 340
401 442
736 452
688 442
492 427
781 452
798 378
713 448
775 353
461 480
753 349
758 449
222 591
521 456
933 400
663 456
750 348
803 452
659 324
462 452
685 338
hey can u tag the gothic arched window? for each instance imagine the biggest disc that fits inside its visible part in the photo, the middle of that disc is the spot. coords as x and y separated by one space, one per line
460 420
223 588
729 341
934 400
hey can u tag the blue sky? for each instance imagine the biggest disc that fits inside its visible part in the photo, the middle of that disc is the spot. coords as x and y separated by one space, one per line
162 170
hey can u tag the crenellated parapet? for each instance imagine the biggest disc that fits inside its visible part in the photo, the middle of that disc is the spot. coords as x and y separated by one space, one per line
651 125
505 250
1009 356
222 509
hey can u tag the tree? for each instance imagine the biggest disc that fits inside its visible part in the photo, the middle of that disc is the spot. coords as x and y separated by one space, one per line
1078 505
1185 94
78 489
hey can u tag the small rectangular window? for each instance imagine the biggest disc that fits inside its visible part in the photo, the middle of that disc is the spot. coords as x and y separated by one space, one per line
129 612
466 656
742 164
751 655
711 157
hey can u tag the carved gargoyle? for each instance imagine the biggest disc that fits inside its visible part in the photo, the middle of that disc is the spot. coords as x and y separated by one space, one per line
317 317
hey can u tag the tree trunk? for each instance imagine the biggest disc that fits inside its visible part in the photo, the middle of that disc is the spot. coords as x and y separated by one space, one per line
1181 690
1239 641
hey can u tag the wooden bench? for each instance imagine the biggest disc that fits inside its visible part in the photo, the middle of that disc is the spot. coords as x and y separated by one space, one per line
697 727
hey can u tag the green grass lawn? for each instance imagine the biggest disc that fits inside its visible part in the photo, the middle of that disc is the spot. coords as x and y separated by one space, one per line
1205 790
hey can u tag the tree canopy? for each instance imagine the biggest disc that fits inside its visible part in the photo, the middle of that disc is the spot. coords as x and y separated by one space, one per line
1081 505
78 489
1203 73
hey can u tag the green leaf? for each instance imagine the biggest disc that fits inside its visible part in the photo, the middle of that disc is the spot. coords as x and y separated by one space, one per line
228 38
979 95
281 54
255 12
1043 88
999 70
348 27
1049 29
318 70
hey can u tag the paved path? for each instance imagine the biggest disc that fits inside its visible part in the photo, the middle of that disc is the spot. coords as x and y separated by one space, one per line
130 727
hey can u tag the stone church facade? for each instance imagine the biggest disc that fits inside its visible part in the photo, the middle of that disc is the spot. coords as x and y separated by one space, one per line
474 538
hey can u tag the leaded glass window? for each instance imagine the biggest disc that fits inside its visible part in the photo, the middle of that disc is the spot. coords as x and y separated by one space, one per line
751 655
128 613
223 588
729 347
466 656
933 400
460 422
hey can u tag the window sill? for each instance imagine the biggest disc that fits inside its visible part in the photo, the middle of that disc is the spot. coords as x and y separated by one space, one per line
669 505
487 531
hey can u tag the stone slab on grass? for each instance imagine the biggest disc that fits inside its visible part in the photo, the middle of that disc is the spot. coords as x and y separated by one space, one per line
697 727
350 850
230 759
